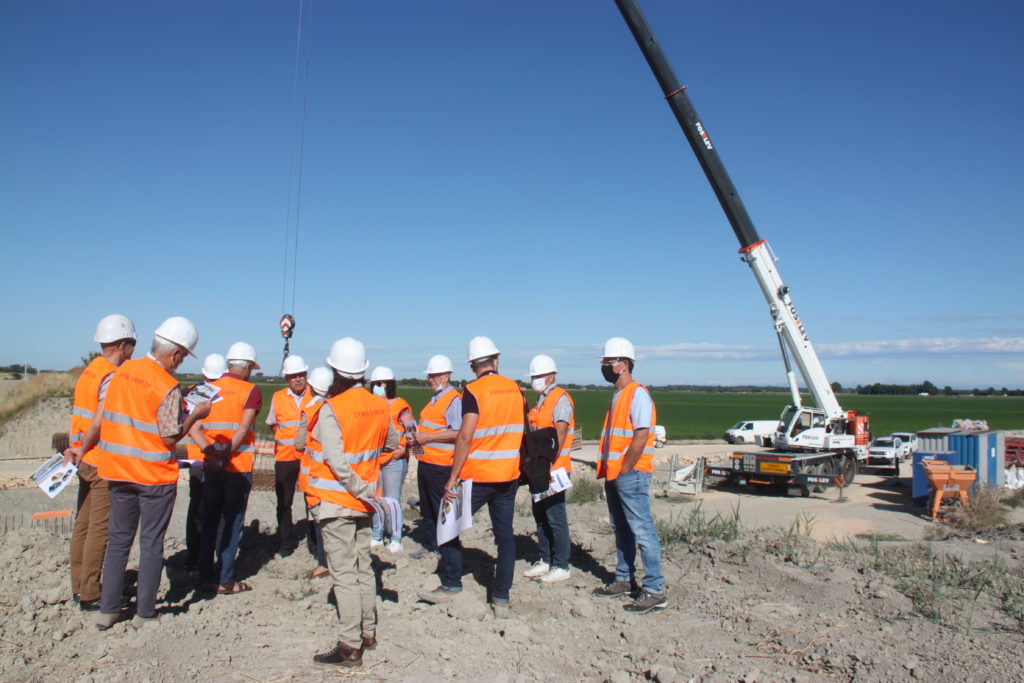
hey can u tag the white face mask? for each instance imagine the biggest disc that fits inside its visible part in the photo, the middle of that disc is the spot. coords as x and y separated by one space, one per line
379 390
539 384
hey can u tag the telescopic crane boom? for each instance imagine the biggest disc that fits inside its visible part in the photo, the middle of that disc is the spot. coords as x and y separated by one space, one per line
824 427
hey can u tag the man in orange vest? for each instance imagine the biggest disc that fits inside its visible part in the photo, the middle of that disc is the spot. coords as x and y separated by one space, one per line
285 410
228 441
320 380
486 451
116 336
626 462
554 409
436 432
353 429
140 426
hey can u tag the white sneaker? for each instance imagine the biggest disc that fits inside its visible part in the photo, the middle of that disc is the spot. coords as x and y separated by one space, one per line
556 574
374 543
395 547
539 568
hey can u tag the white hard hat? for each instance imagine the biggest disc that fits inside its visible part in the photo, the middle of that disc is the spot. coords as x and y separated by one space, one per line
542 365
381 373
180 331
320 379
438 364
114 327
293 365
348 356
617 347
481 347
242 351
214 366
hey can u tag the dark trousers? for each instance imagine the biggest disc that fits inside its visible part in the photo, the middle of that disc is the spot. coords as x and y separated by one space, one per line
225 497
193 526
286 475
553 530
500 499
431 480
146 510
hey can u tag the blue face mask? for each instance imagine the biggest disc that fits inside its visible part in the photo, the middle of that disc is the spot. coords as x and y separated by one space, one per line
379 390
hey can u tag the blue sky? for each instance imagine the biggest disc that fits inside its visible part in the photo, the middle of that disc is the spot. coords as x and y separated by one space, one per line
510 169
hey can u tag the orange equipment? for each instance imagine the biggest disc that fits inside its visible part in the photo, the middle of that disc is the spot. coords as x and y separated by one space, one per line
947 481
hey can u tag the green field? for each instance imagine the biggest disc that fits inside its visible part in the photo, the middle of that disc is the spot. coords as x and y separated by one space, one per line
698 415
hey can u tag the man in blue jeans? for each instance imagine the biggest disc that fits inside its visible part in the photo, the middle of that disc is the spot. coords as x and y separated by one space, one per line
625 462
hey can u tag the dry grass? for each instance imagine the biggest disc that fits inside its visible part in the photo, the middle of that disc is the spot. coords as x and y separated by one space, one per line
28 392
987 511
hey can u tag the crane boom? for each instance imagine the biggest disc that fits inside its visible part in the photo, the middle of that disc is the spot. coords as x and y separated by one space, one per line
754 250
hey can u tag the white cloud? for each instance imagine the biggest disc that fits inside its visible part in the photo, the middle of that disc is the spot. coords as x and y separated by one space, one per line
931 347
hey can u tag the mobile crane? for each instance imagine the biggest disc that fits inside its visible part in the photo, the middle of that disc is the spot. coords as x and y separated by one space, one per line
814 446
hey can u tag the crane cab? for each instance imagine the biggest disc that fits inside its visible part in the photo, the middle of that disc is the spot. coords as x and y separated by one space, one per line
809 429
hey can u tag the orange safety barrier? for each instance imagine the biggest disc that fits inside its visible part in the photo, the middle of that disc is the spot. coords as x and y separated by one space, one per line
51 514
947 481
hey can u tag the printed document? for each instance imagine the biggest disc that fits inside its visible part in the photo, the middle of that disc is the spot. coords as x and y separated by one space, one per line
53 475
559 482
456 515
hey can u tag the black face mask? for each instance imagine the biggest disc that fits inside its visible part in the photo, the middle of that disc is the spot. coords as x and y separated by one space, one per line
609 374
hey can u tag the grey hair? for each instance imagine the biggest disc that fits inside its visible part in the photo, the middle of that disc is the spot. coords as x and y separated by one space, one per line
161 346
238 365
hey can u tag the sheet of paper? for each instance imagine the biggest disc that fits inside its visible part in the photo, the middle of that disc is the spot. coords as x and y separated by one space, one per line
559 482
456 515
53 475
200 393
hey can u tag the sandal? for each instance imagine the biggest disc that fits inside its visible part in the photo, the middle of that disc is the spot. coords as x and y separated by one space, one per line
233 587
318 572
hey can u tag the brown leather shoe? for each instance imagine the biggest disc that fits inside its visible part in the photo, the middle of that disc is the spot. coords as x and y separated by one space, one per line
341 655
369 643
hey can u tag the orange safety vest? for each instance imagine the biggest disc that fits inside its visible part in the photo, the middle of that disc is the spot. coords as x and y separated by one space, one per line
314 449
286 413
226 417
494 448
87 398
363 419
130 448
432 420
396 406
542 416
194 451
617 434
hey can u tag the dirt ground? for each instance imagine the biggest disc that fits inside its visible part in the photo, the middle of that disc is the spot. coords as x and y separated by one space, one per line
770 605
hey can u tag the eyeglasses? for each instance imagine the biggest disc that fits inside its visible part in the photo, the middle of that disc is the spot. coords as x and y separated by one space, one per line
610 361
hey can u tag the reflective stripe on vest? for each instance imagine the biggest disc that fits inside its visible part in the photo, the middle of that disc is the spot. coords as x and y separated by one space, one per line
364 420
87 398
542 415
130 448
286 415
432 420
617 434
225 419
494 448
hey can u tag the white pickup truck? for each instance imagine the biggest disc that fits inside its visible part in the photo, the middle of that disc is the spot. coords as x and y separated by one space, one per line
760 432
887 452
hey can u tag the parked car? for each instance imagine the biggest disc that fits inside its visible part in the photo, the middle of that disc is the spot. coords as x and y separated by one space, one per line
761 432
887 451
909 440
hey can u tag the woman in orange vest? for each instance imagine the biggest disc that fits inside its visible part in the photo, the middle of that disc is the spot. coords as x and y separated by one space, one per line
394 469
554 408
626 462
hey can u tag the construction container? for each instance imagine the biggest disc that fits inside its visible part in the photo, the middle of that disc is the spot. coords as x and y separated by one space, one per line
934 440
919 489
983 451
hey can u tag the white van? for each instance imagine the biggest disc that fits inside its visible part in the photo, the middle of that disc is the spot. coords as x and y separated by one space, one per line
761 432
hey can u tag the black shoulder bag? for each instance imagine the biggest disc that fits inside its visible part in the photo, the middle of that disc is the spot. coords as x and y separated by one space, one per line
537 454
